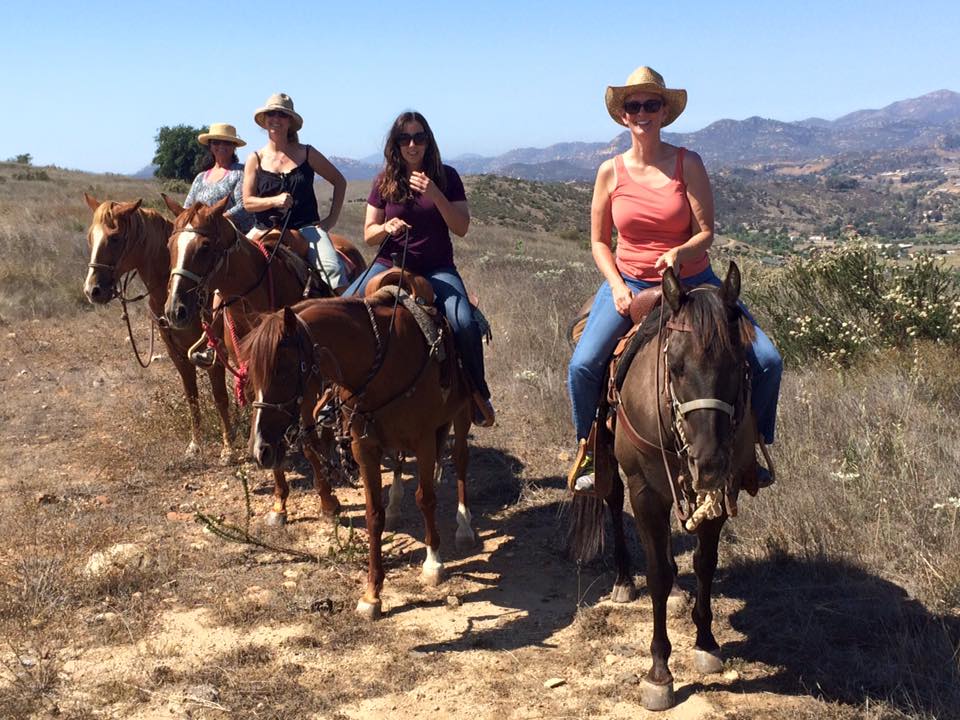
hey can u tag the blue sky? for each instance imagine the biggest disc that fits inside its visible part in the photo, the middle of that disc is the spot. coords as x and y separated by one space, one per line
86 85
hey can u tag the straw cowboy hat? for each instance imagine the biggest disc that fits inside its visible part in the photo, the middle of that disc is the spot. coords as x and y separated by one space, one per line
220 131
645 79
283 103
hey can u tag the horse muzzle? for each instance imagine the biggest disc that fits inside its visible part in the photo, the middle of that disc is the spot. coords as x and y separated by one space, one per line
178 313
268 455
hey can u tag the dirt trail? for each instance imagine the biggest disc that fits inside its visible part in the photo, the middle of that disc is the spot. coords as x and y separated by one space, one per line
220 627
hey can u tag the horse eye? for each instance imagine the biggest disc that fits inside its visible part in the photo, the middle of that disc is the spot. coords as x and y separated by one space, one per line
676 367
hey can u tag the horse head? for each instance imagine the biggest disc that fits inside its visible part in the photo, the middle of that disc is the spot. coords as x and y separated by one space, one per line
706 376
201 238
275 352
112 237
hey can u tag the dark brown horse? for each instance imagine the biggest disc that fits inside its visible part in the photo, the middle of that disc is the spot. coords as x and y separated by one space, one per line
683 421
208 254
123 238
393 395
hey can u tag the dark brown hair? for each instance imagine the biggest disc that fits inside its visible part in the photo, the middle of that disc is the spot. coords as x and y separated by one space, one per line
393 184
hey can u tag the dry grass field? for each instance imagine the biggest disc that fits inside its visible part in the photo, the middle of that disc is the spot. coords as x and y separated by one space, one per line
838 594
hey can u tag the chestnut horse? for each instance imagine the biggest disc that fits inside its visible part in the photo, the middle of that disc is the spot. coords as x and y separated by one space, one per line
683 431
207 254
392 397
124 238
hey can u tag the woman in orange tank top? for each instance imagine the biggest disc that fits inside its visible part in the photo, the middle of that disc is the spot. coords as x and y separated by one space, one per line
659 198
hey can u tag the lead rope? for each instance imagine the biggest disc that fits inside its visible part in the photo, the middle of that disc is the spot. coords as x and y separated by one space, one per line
125 314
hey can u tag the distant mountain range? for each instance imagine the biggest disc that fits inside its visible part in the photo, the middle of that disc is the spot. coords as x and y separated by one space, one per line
927 122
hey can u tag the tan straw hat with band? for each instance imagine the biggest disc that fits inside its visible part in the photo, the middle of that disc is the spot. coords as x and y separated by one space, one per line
220 131
283 103
645 79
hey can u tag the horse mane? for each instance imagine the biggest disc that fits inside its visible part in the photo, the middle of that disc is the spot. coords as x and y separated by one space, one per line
154 223
258 350
709 319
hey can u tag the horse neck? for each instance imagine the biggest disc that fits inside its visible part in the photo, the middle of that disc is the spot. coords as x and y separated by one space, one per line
345 345
241 269
151 257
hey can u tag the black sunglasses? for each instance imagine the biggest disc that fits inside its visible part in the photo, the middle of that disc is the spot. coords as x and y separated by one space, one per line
419 138
632 107
275 113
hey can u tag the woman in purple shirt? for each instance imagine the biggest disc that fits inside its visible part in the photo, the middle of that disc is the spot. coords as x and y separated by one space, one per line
416 201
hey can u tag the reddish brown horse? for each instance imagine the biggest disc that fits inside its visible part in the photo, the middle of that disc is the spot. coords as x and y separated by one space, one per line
124 238
395 395
683 430
207 254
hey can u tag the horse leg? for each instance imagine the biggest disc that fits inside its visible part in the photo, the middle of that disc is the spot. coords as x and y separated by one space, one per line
329 504
396 496
707 651
369 460
623 588
218 384
427 502
677 600
653 523
466 538
278 516
188 377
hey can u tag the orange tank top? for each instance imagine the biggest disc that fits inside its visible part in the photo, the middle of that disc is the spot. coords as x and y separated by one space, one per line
650 221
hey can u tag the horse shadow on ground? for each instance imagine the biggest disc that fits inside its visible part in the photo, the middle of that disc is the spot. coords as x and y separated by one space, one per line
832 630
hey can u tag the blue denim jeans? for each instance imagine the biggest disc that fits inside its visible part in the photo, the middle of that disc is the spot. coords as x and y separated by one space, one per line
606 326
452 299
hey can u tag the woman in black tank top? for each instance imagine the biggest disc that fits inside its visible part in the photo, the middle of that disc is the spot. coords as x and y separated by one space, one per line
279 178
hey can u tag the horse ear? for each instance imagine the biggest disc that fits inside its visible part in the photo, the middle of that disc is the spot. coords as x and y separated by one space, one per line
124 209
221 206
172 205
91 201
731 285
289 321
672 290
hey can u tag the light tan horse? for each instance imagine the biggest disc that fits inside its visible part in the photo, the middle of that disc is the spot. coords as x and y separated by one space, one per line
125 237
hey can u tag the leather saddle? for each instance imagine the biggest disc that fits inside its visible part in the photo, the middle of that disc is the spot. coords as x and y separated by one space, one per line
315 285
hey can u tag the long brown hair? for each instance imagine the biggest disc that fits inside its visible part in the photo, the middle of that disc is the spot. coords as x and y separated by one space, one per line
394 185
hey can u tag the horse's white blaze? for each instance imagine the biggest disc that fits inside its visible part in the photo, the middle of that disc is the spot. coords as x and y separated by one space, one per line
184 238
97 235
257 437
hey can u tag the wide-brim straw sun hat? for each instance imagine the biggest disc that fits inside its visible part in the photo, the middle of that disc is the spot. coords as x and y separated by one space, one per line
283 103
645 79
220 131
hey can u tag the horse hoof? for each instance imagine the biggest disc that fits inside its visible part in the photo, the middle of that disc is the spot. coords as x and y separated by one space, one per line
276 519
465 540
656 697
368 610
623 593
707 662
227 457
391 522
192 451
676 603
331 509
432 575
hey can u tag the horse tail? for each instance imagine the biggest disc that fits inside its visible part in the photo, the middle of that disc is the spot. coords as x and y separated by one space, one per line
586 533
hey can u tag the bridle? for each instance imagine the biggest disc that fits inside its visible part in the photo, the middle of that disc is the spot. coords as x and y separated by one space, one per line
679 410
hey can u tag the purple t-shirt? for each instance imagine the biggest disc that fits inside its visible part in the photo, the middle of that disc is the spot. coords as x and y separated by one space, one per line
429 247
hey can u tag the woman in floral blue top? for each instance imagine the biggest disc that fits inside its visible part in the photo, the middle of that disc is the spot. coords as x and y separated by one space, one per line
222 176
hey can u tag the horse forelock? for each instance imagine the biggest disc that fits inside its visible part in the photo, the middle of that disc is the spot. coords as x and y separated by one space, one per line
710 322
259 349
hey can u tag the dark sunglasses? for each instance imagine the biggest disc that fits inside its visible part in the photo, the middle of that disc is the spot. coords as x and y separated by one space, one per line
632 107
220 142
275 113
419 138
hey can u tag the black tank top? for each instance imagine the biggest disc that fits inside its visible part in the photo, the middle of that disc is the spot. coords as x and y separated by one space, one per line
299 183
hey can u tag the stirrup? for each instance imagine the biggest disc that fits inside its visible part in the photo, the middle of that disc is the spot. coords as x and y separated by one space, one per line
483 413
582 476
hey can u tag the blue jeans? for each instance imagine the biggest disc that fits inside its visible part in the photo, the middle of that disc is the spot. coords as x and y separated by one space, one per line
452 299
606 326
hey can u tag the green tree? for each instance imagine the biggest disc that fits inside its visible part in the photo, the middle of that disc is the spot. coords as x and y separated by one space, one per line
179 155
22 159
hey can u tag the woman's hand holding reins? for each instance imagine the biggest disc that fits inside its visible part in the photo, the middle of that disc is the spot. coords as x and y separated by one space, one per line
395 226
284 201
669 259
